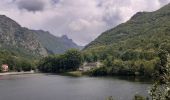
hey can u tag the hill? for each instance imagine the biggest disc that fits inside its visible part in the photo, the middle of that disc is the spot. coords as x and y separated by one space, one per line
144 30
132 48
53 44
18 39
30 43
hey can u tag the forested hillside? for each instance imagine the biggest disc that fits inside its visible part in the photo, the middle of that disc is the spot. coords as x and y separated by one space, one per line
132 47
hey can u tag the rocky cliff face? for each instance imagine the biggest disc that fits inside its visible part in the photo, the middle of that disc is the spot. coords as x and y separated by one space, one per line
13 37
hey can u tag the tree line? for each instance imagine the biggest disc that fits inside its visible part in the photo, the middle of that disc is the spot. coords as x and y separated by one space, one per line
69 61
123 62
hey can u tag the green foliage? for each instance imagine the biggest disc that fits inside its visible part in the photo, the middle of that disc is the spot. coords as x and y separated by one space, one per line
110 98
138 97
15 62
24 65
102 71
73 58
69 61
161 88
124 68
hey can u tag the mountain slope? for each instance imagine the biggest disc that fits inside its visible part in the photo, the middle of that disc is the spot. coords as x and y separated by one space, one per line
55 44
132 48
142 26
15 38
26 42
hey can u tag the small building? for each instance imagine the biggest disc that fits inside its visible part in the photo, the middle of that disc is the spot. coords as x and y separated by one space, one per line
89 66
4 68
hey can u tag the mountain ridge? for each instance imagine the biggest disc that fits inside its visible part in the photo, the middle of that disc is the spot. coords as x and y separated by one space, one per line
57 45
140 23
15 38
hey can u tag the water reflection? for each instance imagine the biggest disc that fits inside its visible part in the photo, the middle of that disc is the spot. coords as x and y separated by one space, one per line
54 87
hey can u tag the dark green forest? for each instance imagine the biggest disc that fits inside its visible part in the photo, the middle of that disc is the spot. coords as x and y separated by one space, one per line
69 61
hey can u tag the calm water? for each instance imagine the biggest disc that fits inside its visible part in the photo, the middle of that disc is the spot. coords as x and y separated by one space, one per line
54 87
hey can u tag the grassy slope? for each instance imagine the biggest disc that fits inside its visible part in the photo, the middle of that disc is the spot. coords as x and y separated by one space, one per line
144 31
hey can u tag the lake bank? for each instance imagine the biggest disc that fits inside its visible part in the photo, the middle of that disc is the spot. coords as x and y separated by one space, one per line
82 74
79 74
15 73
73 73
121 77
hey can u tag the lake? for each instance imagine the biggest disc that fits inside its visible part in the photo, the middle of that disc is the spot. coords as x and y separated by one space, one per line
55 87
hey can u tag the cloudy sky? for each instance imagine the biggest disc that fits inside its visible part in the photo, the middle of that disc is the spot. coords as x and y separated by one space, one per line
80 20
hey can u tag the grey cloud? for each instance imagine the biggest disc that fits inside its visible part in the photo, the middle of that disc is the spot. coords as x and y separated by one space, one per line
80 20
111 9
55 1
163 1
112 18
31 5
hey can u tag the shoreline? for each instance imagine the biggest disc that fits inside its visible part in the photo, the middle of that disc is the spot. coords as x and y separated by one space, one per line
15 73
79 74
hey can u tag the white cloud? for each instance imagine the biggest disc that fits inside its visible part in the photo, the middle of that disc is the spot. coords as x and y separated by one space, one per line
79 25
81 20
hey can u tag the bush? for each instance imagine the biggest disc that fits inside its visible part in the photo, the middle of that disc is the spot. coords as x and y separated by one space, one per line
102 71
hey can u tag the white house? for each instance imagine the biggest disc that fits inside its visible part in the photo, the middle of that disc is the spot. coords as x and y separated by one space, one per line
89 66
4 68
